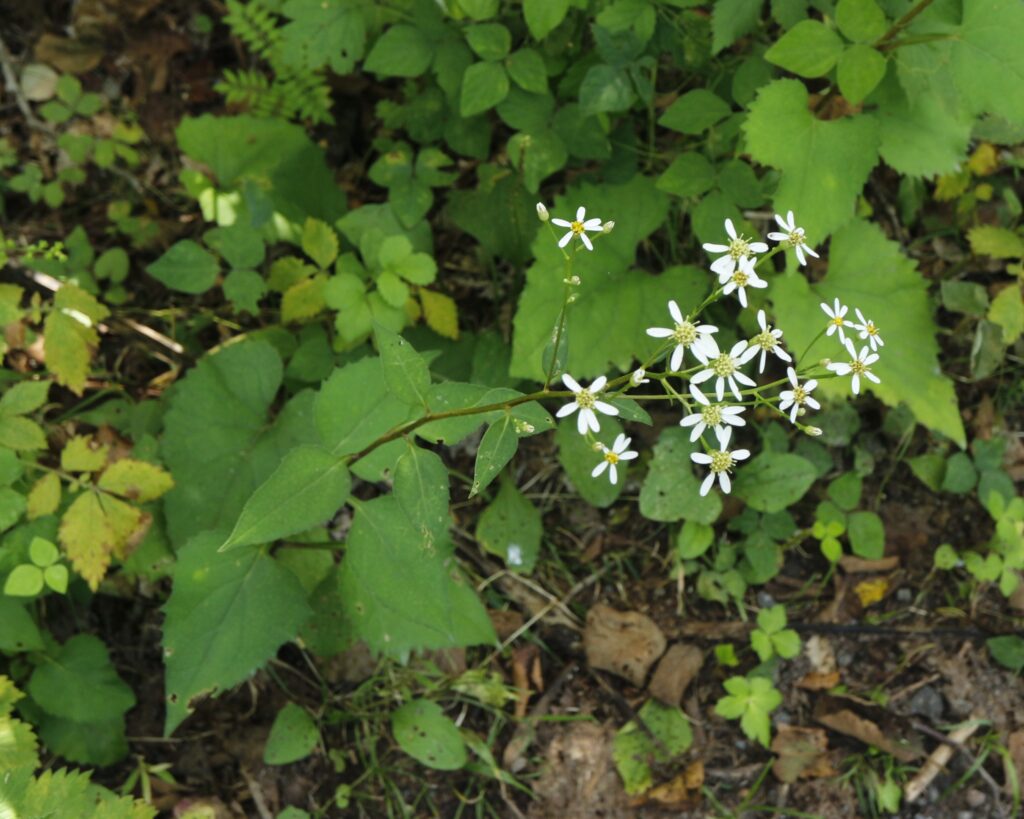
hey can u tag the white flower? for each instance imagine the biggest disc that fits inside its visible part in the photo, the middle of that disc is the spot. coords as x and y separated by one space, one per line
859 365
793 235
542 212
868 331
578 227
612 456
837 320
798 395
637 378
742 277
586 403
738 248
768 341
724 366
684 334
720 461
711 415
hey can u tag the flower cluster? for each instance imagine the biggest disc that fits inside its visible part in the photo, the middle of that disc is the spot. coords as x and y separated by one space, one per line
727 390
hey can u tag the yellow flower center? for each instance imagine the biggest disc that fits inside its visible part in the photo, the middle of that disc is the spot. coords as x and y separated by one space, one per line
796 237
711 415
871 329
585 399
611 457
839 321
576 227
720 461
765 340
739 248
799 395
857 366
685 334
723 365
740 278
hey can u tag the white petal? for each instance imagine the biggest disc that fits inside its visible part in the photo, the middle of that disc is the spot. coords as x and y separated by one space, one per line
723 436
723 266
790 221
760 367
700 457
676 363
740 454
730 229
800 254
720 388
760 320
702 376
703 329
568 409
598 384
613 474
710 347
873 377
724 482
871 359
571 383
828 310
620 443
786 400
697 431
743 296
565 239
589 245
732 414
860 316
675 312
698 396
856 383
628 456
794 413
737 349
581 421
782 224
758 247
735 388
778 237
757 282
690 420
792 377
711 247
748 354
601 467
810 385
607 409
812 402
807 250
659 332
581 213
561 223
592 224
591 420
840 368
706 486
781 353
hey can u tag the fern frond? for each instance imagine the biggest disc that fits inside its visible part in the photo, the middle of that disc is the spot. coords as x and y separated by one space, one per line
254 24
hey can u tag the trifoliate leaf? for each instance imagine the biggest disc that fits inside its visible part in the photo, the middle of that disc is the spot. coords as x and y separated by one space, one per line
83 454
136 480
824 164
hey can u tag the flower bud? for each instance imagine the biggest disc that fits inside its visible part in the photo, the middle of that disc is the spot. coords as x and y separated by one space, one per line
597 446
824 362
814 432
608 227
542 212
637 378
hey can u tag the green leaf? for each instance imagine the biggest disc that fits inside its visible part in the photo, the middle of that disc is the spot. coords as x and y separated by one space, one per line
538 155
421 489
1007 310
99 742
423 731
578 458
670 491
845 491
824 164
306 490
869 271
690 174
946 557
730 20
1008 651
21 434
987 60
772 481
18 633
24 581
244 289
319 242
56 577
694 539
496 449
543 16
634 749
809 49
997 242
964 297
355 407
479 9
861 21
527 70
240 245
24 397
401 595
82 454
79 683
70 336
402 51
405 371
11 469
489 41
511 528
867 535
484 85
112 265
323 32
293 736
859 72
694 112
186 267
606 89
42 552
255 604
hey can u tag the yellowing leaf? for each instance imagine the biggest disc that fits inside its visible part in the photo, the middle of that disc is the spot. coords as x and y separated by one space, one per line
441 313
952 185
136 480
320 242
304 300
871 591
82 454
984 160
997 242
44 497
95 528
69 335
1007 310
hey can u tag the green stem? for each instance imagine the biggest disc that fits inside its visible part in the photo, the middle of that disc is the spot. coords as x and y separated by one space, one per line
909 41
566 294
902 23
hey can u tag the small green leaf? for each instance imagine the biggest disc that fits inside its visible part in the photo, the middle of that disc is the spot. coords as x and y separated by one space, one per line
307 489
293 736
946 557
421 489
80 683
319 242
42 552
240 245
860 70
18 633
82 454
867 535
24 581
136 480
244 289
606 89
405 371
694 112
21 434
961 476
634 749
24 397
186 267
489 41
845 491
526 68
543 16
809 49
402 51
56 577
861 21
997 242
423 731
1008 651
930 469
496 449
484 85
511 528
693 540
671 491
772 481
1007 311
690 174
964 297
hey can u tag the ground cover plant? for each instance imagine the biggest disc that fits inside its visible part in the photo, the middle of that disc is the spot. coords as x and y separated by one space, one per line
477 407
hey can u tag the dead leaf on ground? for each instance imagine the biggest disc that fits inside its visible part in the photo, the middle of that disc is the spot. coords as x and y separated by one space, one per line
1015 745
70 56
858 565
824 673
506 623
831 713
682 792
626 643
800 753
675 671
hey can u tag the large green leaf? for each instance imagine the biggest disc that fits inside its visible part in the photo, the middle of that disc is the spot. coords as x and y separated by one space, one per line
401 593
227 615
774 480
78 682
824 164
615 303
866 270
405 371
671 492
421 487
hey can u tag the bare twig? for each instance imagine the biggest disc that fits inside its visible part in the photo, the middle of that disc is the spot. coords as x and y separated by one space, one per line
14 87
955 742
938 758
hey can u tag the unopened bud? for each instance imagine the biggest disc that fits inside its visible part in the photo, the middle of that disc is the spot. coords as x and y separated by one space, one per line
814 432
608 227
598 446
542 212
824 362
522 427
637 378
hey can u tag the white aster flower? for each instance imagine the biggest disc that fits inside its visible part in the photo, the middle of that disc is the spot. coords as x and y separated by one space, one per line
711 415
586 403
868 331
721 461
859 365
724 366
797 396
578 227
637 378
542 212
684 334
612 456
793 235
768 341
742 277
738 248
837 320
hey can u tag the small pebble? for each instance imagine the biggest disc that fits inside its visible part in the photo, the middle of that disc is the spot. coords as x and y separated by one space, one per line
904 596
975 798
927 702
844 658
765 600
